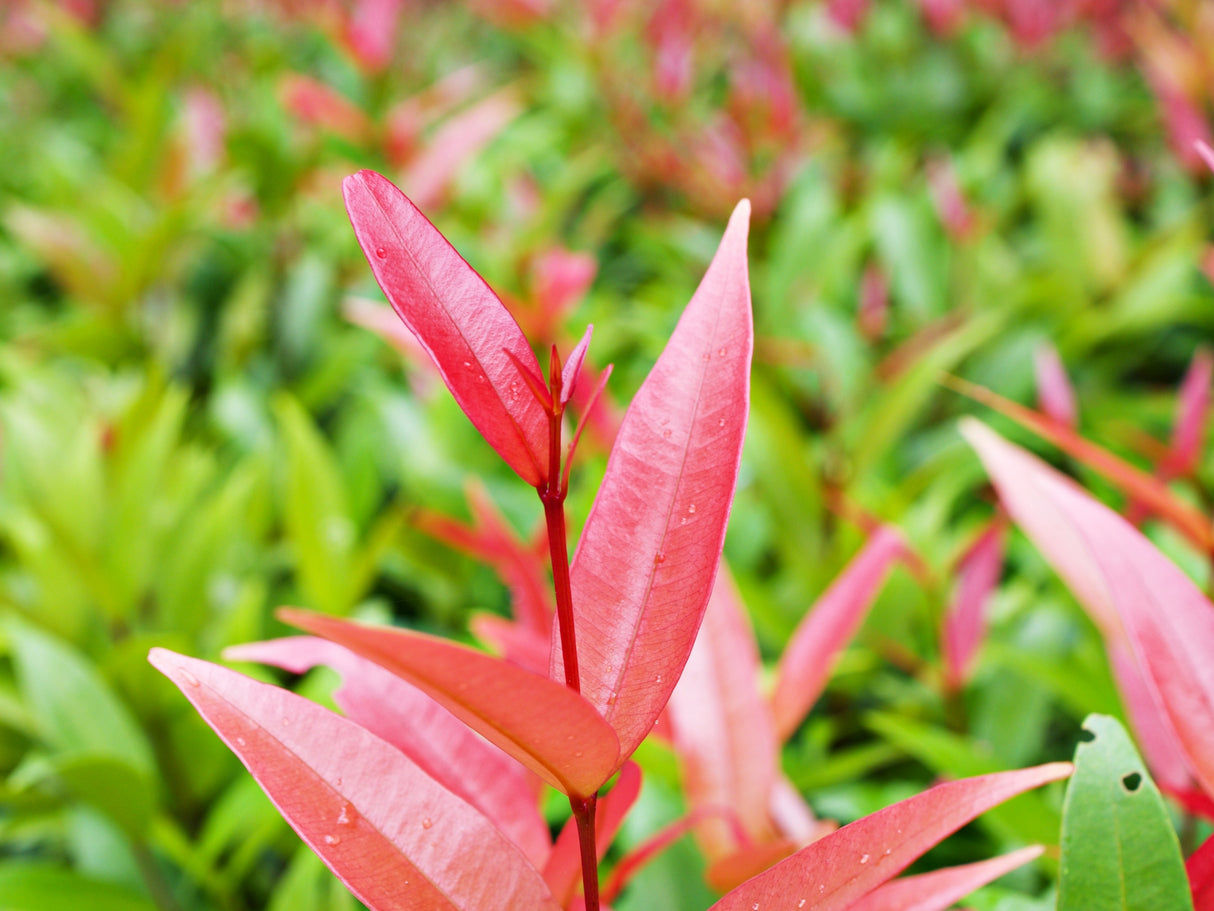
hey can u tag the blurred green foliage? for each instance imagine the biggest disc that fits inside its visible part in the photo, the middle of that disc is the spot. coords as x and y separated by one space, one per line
192 432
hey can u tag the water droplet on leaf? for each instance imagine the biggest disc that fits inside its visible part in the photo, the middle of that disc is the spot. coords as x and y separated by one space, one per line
659 558
189 678
344 818
864 858
426 822
332 840
381 252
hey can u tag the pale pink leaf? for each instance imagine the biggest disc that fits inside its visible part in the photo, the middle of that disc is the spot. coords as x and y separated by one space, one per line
443 747
940 889
375 819
842 867
1123 581
646 561
723 731
1055 396
965 619
573 366
1192 414
544 725
456 317
830 624
518 644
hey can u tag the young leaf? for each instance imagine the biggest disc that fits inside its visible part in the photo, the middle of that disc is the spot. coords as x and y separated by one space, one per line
546 726
806 664
456 317
442 746
395 837
940 889
1124 582
1119 850
645 564
840 868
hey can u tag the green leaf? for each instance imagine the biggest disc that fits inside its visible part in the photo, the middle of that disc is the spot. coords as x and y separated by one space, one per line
36 887
1119 850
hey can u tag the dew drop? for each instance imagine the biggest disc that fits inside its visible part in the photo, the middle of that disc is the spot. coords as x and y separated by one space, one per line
707 356
332 840
381 252
863 858
720 352
578 754
286 722
344 818
801 903
189 678
468 364
612 697
659 558
659 679
426 822
337 782
683 521
721 422
754 907
692 508
240 741
887 852
666 434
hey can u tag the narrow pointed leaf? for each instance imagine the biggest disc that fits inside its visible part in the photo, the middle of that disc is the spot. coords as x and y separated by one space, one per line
456 317
1192 414
573 366
648 554
544 725
842 867
442 746
1124 582
1119 850
1055 396
723 730
395 837
940 889
965 619
1134 482
806 664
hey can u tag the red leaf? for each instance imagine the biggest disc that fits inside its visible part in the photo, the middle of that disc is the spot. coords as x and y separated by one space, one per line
648 555
939 889
443 747
806 664
1200 867
723 730
1192 413
395 837
544 725
1137 484
456 317
965 620
1124 582
840 868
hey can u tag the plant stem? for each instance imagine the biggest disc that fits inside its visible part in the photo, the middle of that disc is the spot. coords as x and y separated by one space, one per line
583 814
554 517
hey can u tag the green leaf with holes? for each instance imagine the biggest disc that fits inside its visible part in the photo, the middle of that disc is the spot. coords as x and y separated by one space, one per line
1119 850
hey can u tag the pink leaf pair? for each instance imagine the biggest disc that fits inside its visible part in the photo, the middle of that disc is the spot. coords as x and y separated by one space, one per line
1134 593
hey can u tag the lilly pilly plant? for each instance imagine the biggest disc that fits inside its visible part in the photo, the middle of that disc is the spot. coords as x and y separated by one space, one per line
399 797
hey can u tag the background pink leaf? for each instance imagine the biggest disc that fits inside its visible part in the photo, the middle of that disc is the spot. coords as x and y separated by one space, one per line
456 317
1124 581
842 867
546 726
723 730
806 664
443 747
939 889
645 564
1192 414
394 836
965 620
1055 396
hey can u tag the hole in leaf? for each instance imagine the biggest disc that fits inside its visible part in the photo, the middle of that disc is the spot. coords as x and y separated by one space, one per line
1132 781
1086 736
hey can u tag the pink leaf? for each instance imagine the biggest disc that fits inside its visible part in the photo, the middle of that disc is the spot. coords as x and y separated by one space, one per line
939 889
442 746
573 366
1200 867
842 867
456 317
544 725
1192 413
1205 152
518 644
371 32
644 567
1055 396
1137 484
965 620
723 731
1124 582
806 664
395 837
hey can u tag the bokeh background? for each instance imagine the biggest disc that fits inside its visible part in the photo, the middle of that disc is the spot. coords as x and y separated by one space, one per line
206 409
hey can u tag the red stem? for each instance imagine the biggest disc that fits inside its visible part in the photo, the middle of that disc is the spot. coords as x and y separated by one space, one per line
583 814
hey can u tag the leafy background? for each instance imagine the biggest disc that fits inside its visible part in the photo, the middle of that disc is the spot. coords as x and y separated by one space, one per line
196 426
